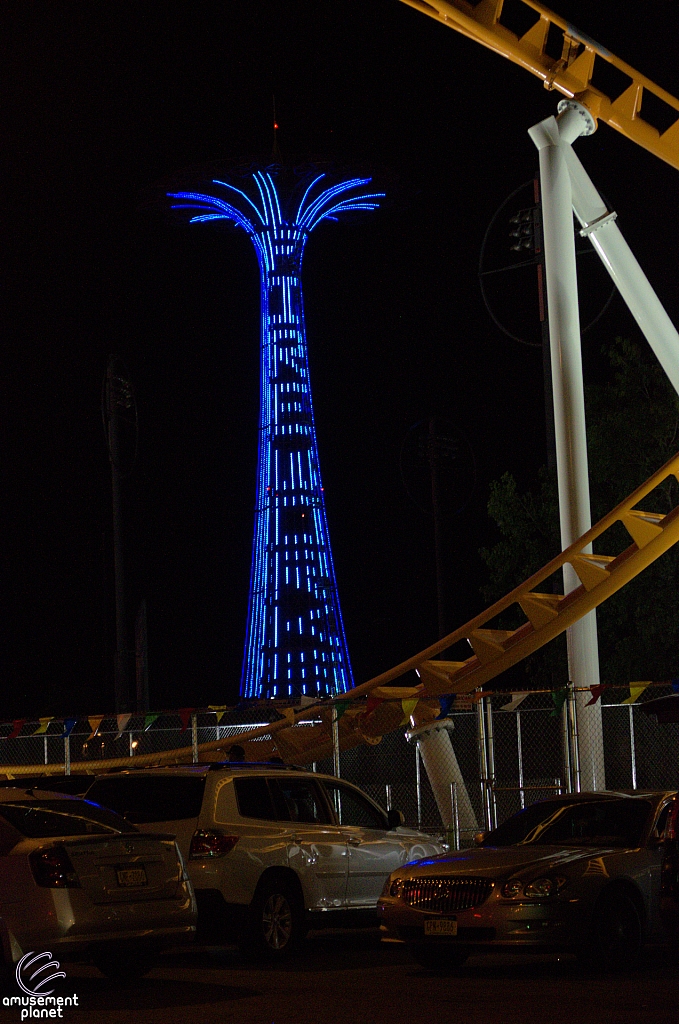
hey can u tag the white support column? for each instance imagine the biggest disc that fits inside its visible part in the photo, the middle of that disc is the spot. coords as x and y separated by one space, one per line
599 224
552 139
440 762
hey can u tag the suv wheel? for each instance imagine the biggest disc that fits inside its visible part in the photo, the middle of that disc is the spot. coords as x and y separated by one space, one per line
275 924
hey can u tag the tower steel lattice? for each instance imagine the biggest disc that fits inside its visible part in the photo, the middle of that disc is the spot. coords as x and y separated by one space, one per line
295 643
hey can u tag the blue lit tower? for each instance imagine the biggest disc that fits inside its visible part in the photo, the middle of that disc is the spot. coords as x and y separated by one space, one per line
295 643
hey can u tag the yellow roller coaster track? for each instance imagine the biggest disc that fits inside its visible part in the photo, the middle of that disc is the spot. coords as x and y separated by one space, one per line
572 72
546 616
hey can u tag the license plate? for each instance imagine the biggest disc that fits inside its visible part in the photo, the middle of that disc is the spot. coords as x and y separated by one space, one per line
440 926
131 876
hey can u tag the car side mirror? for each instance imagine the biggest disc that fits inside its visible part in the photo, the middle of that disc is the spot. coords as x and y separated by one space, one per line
395 818
479 837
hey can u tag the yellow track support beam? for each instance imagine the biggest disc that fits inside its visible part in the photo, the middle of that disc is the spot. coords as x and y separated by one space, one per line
571 73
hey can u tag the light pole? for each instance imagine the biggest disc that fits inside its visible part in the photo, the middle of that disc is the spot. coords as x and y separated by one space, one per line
118 400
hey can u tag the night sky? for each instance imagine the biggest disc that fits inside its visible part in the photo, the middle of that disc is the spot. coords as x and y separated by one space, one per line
102 101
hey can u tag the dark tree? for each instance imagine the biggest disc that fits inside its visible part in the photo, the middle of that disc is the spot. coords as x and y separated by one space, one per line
633 428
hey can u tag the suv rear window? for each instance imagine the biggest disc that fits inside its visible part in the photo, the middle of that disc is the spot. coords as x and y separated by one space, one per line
144 799
42 819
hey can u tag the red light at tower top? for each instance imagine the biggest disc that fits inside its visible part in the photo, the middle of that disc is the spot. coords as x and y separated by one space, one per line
275 125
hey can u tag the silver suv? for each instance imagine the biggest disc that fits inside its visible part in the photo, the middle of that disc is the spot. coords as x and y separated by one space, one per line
271 850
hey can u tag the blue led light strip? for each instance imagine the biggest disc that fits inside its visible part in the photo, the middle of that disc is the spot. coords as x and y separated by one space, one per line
295 643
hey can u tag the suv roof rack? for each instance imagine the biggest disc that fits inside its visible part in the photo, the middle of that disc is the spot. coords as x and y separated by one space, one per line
211 766
214 766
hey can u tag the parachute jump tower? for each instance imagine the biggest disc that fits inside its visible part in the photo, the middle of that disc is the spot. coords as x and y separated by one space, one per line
295 644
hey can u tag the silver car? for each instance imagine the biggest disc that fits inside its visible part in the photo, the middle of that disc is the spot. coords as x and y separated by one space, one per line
583 872
79 881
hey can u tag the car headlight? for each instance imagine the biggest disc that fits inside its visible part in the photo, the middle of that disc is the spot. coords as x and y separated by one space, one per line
391 887
541 887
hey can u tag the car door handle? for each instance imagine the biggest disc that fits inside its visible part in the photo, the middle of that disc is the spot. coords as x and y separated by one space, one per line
354 841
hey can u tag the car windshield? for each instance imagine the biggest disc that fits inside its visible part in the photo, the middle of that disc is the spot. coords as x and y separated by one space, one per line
44 819
582 823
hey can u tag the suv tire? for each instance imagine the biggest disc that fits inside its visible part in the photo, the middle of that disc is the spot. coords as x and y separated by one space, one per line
276 922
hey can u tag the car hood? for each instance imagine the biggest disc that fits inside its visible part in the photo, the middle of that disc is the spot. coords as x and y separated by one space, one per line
491 861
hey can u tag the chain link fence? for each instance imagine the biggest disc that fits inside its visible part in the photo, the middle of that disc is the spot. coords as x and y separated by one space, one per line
504 760
479 769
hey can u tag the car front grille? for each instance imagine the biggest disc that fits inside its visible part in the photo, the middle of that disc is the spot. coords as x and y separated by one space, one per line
446 895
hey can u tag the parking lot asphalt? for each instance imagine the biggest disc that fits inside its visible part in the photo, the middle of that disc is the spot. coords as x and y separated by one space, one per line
342 977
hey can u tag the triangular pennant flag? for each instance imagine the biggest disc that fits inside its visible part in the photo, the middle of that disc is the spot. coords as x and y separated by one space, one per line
306 700
219 709
408 708
372 703
517 698
95 721
122 724
150 719
16 728
44 723
635 691
340 706
596 693
68 726
558 699
185 717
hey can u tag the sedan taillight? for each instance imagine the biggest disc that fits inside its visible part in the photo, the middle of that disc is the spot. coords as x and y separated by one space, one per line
52 868
211 844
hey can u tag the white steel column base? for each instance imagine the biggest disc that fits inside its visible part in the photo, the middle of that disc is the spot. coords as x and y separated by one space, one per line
440 762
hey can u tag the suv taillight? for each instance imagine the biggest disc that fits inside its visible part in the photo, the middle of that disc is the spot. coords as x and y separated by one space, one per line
52 868
211 844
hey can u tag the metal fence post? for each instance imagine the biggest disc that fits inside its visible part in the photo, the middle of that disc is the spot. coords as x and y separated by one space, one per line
418 785
519 752
67 755
632 746
456 814
194 736
131 742
483 762
490 753
388 794
566 742
44 740
335 743
574 743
